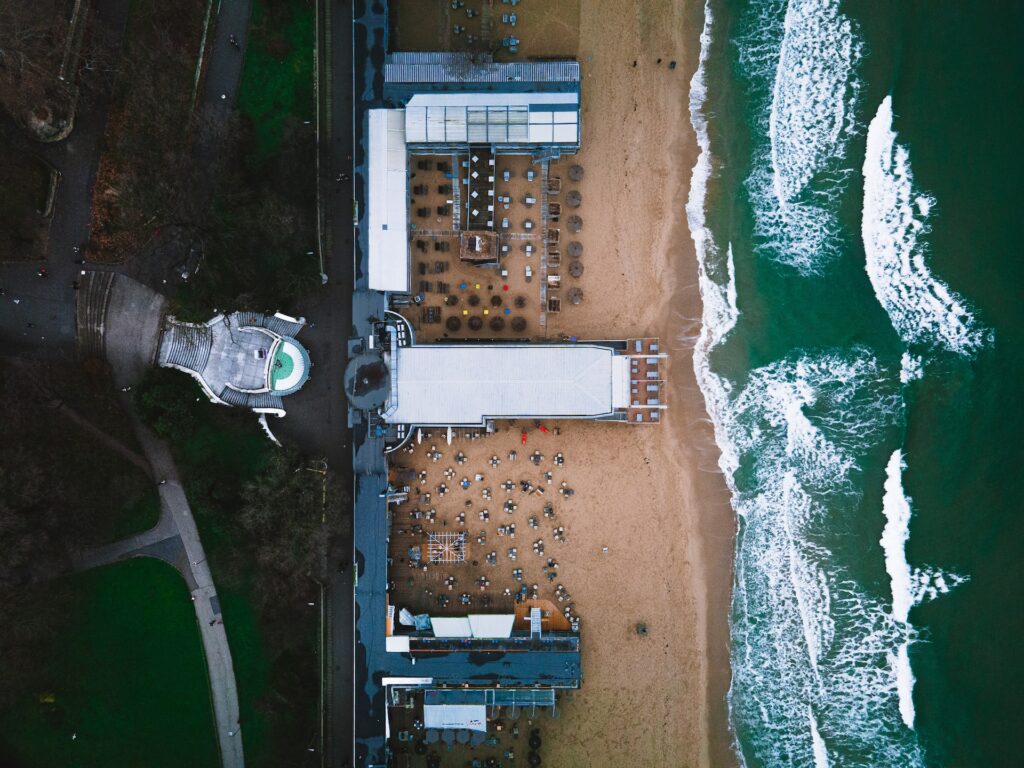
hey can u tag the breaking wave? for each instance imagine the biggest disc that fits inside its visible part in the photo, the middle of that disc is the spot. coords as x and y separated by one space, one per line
922 309
803 64
909 587
811 648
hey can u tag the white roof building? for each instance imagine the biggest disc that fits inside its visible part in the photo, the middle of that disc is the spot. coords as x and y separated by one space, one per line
466 384
389 263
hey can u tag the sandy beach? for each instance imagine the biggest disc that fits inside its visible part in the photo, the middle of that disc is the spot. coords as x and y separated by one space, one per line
651 494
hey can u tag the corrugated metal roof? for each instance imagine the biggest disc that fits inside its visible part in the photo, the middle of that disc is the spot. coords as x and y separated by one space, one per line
389 260
448 67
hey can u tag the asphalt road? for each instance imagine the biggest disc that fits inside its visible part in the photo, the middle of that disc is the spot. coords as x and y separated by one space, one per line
317 420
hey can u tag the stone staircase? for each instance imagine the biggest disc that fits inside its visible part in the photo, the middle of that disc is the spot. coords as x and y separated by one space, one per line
91 312
251 400
186 346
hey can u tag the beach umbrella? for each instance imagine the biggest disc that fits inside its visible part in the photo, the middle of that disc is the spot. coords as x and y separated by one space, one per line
574 199
453 323
475 323
497 323
520 302
575 249
576 172
576 268
518 324
575 295
575 223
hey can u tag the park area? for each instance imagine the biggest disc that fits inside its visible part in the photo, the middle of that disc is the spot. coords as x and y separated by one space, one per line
127 684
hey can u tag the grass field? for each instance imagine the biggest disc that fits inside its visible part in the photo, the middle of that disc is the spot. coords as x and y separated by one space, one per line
129 687
277 81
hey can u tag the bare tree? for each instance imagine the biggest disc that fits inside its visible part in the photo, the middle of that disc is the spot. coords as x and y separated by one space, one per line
33 34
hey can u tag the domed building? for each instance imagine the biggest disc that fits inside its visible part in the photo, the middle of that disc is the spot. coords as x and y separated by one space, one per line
245 359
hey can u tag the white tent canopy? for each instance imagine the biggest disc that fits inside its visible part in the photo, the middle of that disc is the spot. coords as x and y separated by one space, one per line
445 626
491 624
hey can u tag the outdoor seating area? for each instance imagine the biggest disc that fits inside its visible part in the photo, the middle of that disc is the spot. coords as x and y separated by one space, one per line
484 525
474 281
513 733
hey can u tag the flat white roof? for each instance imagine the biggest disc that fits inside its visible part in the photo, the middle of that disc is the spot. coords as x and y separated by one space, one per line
492 118
389 258
472 717
465 384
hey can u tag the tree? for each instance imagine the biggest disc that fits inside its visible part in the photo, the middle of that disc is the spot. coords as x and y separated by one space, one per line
166 402
32 36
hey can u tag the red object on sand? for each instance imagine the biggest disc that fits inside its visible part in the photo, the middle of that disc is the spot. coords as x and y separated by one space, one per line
504 287
524 437
542 428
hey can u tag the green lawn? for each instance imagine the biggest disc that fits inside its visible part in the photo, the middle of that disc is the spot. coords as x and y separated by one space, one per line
277 80
129 687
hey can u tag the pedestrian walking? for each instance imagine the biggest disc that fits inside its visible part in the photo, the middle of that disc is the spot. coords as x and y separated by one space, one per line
75 248
43 272
212 622
162 482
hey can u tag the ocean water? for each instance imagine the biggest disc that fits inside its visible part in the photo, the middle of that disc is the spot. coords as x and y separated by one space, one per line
861 258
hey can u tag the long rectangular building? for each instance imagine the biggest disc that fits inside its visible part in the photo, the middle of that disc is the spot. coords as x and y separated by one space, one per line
467 384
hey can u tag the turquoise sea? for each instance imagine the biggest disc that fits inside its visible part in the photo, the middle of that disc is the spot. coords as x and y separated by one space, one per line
855 210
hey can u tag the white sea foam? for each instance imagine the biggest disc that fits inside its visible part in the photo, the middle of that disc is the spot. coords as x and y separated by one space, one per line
716 280
820 751
911 368
896 507
807 68
923 310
